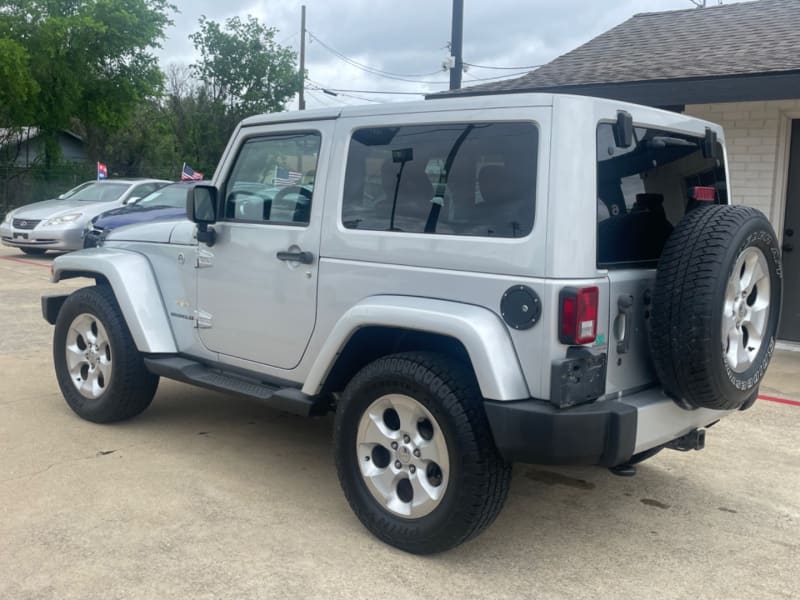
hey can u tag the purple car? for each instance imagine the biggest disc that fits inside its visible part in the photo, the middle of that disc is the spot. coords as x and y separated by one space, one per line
165 204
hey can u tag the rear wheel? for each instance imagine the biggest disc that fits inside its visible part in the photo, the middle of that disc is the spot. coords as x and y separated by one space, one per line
34 251
415 455
99 370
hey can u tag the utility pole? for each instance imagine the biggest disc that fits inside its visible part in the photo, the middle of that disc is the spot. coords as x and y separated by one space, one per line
302 99
456 35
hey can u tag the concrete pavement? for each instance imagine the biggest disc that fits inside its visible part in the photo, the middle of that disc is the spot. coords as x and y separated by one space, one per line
208 496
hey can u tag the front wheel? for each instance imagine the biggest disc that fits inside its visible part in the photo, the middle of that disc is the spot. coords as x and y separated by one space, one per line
415 455
99 369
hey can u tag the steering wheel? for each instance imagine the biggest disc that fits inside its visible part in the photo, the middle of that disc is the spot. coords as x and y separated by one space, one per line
239 202
299 210
292 189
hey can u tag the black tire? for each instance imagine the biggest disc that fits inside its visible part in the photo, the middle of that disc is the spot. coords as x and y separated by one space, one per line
34 251
686 337
131 387
479 478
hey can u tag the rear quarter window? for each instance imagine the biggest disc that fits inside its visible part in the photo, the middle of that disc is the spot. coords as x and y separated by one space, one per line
475 179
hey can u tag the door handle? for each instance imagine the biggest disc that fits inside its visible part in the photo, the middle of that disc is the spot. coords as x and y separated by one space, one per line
305 258
623 323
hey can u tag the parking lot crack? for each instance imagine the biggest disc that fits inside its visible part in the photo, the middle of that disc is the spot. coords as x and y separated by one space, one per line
98 454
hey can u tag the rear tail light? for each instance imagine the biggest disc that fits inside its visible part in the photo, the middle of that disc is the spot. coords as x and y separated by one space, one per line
703 193
578 315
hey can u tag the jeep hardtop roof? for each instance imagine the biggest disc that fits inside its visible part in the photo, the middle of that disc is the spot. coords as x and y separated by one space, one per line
450 104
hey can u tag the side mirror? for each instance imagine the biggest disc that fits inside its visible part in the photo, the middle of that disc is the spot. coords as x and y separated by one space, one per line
131 200
201 208
623 130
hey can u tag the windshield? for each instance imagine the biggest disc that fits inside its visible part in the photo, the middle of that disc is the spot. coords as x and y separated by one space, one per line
75 190
173 196
101 192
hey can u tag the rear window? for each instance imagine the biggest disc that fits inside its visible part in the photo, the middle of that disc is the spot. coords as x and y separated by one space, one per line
101 192
644 190
171 196
474 179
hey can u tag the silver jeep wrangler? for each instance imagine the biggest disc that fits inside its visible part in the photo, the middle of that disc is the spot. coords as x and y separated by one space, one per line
466 282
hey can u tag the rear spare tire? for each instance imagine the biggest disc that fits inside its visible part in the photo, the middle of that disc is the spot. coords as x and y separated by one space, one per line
716 306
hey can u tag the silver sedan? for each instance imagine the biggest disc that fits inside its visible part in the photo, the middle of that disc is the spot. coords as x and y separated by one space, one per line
59 224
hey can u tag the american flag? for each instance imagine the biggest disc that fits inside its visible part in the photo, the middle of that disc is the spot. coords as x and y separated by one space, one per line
102 171
189 174
284 177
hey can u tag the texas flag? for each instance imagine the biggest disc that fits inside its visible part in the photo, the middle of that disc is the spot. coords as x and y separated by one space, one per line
102 171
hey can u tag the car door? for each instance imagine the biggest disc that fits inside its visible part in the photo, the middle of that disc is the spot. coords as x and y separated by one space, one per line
257 285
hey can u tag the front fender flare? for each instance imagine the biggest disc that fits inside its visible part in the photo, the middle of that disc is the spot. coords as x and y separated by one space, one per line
481 331
135 288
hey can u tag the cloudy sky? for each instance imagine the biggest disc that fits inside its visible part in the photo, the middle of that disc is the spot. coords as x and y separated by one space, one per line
407 38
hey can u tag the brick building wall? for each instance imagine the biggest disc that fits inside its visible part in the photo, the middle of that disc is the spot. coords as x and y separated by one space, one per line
757 138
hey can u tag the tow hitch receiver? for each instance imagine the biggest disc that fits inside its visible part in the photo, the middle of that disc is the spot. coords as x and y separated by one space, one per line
694 440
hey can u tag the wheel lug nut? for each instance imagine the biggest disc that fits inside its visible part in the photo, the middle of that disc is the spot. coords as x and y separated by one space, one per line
412 468
394 445
406 439
398 464
417 452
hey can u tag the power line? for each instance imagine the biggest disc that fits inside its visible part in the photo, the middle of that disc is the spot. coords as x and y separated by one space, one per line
502 68
329 92
283 43
357 97
500 76
345 91
375 70
354 62
322 100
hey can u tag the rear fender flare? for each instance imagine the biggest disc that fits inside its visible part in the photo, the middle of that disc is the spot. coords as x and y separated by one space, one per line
481 332
135 287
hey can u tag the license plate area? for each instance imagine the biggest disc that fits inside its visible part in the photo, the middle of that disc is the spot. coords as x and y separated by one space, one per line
18 235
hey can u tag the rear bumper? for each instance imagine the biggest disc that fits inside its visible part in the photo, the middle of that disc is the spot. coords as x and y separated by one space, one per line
604 433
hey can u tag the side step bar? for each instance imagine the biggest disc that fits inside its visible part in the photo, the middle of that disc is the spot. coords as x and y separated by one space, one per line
290 400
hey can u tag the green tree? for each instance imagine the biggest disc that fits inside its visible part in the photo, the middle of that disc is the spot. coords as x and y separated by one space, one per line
18 86
243 67
16 91
200 126
91 60
146 147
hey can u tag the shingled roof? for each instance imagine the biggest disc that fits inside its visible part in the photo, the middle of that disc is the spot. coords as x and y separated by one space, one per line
747 38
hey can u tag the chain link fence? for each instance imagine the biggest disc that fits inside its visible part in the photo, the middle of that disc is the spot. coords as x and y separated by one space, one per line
23 185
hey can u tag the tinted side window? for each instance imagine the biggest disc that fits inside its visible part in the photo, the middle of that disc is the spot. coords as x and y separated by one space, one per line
460 179
273 179
644 190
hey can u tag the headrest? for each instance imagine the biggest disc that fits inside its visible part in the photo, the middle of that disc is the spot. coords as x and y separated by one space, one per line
648 201
495 183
